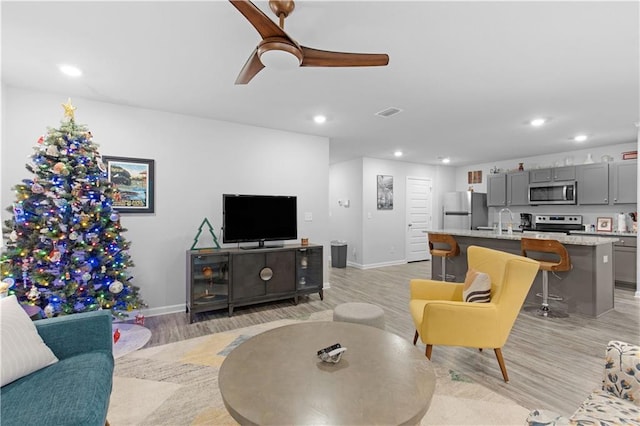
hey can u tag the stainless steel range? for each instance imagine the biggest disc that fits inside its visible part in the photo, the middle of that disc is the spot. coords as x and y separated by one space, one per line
558 223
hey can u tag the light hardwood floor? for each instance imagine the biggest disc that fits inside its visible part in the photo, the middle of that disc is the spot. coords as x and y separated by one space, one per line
552 363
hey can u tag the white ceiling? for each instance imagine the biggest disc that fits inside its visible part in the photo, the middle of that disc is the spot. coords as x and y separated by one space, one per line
467 75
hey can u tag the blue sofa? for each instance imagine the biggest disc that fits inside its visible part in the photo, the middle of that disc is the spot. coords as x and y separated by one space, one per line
76 389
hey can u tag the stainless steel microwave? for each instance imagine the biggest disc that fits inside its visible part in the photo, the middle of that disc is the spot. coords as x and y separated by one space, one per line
552 193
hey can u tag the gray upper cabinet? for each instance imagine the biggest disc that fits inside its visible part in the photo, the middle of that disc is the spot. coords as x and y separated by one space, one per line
593 183
497 190
624 182
556 174
564 173
540 175
518 189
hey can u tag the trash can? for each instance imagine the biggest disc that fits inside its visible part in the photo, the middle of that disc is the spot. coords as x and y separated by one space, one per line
338 254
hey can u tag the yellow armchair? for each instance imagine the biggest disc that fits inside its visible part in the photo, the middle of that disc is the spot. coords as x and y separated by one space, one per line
442 317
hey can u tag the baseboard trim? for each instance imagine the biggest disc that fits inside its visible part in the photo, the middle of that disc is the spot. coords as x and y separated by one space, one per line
164 310
376 265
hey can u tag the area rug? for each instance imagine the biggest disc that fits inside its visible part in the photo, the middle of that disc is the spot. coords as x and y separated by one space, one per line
177 384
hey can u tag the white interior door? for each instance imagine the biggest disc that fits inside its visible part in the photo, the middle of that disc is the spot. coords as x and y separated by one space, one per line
419 218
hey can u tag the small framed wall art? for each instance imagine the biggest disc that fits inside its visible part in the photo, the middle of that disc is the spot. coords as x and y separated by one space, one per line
385 192
133 183
604 224
474 176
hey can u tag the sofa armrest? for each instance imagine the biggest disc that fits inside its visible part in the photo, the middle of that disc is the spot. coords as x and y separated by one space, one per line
74 334
622 371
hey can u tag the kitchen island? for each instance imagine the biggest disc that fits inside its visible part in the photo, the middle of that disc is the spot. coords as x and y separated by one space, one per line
586 289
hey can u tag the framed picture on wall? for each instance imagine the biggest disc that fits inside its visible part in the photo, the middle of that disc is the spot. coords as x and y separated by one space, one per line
474 176
133 183
385 192
604 224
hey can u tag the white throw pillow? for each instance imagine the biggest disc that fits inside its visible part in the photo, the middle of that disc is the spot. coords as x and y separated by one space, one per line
477 287
22 350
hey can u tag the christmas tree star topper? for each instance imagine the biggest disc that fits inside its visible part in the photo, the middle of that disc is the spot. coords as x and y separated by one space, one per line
69 110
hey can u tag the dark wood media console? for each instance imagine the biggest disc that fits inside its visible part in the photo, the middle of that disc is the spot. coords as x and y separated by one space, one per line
226 278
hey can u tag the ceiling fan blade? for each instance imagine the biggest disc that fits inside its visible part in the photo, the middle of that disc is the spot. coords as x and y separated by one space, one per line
252 67
324 58
261 22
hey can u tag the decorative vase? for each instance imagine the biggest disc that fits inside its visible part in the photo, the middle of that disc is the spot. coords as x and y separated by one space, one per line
589 159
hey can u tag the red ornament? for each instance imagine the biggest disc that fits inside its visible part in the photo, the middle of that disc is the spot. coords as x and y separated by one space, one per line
41 139
139 319
116 335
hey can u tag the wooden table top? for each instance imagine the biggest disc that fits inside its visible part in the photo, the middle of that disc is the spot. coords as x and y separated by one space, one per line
277 378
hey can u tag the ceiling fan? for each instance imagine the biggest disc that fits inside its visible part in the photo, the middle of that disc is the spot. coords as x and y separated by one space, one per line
275 42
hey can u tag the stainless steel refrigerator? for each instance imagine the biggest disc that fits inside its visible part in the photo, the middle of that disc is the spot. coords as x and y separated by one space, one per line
465 210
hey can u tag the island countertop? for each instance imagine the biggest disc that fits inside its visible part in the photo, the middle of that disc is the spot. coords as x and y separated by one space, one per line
586 289
579 240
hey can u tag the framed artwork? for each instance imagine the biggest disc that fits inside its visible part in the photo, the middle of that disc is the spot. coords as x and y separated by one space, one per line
385 192
604 224
474 176
132 180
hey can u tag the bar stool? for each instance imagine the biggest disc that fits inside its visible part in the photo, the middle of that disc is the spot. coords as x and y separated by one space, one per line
452 250
562 264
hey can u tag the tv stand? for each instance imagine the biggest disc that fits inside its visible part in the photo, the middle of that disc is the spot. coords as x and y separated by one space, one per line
228 278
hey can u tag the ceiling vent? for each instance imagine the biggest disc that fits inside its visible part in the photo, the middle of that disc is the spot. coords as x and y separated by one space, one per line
386 113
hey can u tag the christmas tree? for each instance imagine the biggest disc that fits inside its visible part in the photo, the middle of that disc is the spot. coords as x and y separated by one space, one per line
64 249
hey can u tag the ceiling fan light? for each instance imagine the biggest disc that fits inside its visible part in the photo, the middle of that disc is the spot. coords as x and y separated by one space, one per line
279 59
537 122
70 70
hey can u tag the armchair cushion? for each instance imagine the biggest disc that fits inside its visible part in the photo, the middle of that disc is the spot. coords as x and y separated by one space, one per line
477 287
22 351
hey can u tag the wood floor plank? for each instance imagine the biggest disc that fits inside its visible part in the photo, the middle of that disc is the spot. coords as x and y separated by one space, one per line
552 363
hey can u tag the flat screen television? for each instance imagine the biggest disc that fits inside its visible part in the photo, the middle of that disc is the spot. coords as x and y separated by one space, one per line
258 218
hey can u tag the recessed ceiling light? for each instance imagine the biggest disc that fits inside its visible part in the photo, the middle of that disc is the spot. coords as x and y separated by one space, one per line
70 70
580 138
319 119
398 153
537 122
446 160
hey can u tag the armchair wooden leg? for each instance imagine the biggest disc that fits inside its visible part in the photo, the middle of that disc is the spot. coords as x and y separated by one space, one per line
427 351
498 352
415 338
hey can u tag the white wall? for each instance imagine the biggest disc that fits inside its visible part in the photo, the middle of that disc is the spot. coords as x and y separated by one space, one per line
378 237
345 223
196 161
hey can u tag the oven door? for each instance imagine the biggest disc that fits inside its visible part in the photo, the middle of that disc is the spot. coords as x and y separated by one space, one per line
552 193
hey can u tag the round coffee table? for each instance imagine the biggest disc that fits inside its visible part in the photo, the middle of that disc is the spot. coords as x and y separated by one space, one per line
277 378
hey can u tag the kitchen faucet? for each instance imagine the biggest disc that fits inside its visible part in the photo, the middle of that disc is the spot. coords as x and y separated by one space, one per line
510 227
